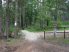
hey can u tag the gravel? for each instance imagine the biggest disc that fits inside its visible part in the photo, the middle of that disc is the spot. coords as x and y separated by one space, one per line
30 35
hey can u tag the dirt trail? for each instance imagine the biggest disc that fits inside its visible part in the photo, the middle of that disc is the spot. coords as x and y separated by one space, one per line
33 42
39 45
30 36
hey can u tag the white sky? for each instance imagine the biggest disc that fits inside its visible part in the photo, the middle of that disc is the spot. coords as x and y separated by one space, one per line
3 1
13 0
67 1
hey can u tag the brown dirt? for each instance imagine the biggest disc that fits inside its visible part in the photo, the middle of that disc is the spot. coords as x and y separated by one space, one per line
41 45
7 48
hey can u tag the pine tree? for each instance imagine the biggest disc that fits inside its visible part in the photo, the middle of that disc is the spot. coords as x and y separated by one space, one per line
1 26
16 19
7 18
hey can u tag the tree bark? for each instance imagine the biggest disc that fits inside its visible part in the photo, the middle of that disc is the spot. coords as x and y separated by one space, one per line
7 18
1 26
56 16
16 19
47 22
42 15
23 17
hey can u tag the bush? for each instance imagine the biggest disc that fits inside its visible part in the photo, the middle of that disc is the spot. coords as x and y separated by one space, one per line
66 23
38 28
8 39
59 23
12 36
34 28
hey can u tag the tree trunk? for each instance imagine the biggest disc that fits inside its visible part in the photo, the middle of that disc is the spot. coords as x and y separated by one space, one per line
16 19
42 23
47 22
56 16
21 21
1 26
40 15
7 18
22 17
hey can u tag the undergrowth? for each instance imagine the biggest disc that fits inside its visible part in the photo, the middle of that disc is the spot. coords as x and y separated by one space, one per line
34 28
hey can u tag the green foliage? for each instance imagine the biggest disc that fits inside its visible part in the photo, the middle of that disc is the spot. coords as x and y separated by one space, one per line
59 23
8 39
66 22
34 12
22 2
12 36
59 40
34 28
62 40
11 28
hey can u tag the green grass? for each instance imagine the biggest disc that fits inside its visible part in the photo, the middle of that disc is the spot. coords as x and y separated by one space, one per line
62 40
8 39
34 29
58 39
39 29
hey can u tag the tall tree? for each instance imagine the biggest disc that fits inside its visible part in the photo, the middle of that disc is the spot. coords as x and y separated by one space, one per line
7 18
23 16
56 16
1 27
22 4
16 19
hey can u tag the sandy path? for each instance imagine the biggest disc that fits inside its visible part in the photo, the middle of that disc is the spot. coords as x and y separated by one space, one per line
30 35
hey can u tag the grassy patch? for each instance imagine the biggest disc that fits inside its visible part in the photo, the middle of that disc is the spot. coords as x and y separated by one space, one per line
62 40
59 40
39 29
34 29
8 39
20 35
13 41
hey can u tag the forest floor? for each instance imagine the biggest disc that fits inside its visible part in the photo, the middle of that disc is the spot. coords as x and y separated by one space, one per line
34 42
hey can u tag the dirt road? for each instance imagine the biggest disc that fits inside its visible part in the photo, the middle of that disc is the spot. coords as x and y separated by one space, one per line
40 45
34 42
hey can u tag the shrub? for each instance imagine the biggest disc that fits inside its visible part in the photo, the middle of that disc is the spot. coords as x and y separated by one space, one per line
34 28
8 39
12 36
59 23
